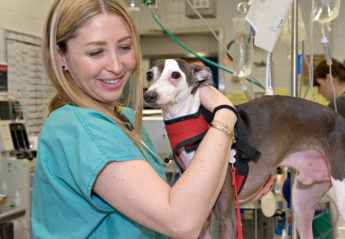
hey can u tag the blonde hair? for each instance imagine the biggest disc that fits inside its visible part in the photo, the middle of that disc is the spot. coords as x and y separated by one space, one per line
64 19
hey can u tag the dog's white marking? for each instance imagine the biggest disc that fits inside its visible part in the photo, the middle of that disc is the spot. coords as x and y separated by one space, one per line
186 156
339 191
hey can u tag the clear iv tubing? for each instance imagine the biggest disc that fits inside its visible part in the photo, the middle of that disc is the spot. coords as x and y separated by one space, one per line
333 89
199 57
325 44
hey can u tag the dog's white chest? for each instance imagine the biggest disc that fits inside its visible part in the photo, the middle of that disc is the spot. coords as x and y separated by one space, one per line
186 157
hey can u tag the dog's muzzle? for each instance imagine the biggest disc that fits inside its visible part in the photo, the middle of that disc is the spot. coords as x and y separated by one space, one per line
150 97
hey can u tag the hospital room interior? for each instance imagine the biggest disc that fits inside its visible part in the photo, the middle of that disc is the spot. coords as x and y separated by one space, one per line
252 48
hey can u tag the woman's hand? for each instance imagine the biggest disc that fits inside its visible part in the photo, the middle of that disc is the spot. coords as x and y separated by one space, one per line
210 98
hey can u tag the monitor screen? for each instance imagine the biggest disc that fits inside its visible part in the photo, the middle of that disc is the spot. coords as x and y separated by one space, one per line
10 110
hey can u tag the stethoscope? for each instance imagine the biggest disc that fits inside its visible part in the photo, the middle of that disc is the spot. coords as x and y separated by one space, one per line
130 127
161 161
165 162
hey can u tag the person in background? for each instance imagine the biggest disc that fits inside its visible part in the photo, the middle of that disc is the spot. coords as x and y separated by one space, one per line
322 80
96 174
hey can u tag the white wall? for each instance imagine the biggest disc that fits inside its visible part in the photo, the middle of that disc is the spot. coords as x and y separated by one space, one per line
28 16
25 16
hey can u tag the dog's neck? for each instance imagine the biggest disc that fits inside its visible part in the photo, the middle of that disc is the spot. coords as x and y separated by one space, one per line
185 107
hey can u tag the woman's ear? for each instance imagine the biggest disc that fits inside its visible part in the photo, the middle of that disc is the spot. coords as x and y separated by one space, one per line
62 59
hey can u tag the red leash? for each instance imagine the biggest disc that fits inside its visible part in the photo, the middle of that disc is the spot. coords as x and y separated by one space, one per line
239 222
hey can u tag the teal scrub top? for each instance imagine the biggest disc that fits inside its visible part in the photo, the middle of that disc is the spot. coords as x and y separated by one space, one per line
74 146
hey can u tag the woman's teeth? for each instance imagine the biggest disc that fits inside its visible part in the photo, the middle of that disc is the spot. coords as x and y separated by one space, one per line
111 81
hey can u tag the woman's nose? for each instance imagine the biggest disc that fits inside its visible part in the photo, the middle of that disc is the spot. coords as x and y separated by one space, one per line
114 64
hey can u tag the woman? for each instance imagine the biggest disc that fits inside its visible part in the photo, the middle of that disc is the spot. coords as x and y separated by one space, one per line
94 178
324 83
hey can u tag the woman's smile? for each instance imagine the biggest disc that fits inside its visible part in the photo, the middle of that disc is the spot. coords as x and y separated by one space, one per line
111 83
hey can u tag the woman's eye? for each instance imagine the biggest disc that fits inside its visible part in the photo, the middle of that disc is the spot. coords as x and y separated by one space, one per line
125 48
95 53
175 75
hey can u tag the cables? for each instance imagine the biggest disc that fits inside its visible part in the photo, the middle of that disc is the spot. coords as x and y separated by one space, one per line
209 28
269 87
198 56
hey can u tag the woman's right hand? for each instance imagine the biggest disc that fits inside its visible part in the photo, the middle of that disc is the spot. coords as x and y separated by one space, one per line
210 98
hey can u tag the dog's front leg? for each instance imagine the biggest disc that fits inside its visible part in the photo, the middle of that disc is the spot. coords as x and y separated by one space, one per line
225 211
206 232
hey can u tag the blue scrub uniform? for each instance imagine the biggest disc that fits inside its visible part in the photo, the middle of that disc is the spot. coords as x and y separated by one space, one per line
74 146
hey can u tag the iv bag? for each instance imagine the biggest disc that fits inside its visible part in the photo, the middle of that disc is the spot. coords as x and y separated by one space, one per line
242 49
326 10
286 33
267 18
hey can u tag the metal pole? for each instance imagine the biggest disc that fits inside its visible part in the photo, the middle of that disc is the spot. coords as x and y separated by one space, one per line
294 53
294 92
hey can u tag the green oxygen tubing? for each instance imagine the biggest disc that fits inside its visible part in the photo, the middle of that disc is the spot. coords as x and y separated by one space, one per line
195 54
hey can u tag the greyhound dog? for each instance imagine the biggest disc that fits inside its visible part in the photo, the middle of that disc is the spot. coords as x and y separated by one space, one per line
288 131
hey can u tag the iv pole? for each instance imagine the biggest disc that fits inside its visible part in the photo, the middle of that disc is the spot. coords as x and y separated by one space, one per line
294 54
294 92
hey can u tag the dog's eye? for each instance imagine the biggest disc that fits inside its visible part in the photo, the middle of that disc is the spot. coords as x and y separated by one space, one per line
175 75
149 76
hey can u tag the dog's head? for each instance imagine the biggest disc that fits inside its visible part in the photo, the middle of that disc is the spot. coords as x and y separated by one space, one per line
173 80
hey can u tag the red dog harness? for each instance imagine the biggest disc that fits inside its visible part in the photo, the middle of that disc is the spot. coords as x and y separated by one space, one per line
187 131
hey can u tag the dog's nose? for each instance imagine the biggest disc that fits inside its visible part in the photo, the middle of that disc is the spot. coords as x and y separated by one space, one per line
150 96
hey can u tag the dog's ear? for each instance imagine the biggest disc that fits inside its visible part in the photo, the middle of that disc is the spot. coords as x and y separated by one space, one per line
202 75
